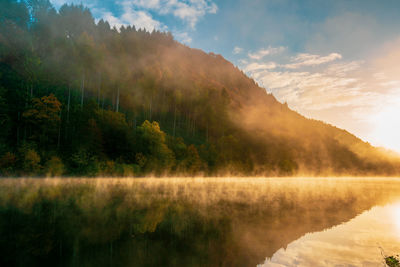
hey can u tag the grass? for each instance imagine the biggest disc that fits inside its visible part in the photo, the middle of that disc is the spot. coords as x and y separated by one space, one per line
392 261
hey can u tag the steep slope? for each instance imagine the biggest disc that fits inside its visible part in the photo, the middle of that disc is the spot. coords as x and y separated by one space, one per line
80 98
280 136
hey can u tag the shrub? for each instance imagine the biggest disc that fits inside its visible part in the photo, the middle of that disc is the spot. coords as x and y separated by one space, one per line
31 162
54 167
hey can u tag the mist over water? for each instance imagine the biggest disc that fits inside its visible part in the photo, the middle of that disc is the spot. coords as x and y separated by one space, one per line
188 221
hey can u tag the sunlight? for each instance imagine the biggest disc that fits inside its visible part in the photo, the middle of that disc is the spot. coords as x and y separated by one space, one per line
387 126
396 218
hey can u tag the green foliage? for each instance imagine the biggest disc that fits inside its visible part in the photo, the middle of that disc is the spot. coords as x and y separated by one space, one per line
140 159
392 261
178 146
153 145
43 117
193 163
83 162
116 135
5 120
45 111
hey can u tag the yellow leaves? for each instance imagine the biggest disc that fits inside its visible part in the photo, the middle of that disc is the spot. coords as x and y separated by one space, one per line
152 132
45 109
31 161
52 103
111 118
140 159
54 167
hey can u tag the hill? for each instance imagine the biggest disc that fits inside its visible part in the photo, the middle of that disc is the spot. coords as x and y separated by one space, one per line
81 98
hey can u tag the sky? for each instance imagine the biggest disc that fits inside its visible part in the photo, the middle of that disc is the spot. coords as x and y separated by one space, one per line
331 60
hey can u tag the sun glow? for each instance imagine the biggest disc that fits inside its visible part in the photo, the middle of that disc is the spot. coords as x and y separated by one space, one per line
387 126
396 218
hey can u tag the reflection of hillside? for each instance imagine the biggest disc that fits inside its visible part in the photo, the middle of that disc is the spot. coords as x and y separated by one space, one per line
263 239
362 241
172 222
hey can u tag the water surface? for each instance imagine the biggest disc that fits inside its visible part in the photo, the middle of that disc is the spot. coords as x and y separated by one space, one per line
198 222
362 241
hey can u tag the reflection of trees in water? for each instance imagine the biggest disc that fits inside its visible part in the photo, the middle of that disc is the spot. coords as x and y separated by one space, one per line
178 222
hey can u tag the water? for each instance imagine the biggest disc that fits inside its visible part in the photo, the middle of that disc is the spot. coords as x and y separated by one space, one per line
362 241
199 222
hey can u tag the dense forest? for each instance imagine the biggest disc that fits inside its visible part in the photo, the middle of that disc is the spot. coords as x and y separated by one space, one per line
80 98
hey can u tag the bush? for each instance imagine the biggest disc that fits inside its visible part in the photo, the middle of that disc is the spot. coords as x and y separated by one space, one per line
83 163
108 168
54 167
31 162
126 170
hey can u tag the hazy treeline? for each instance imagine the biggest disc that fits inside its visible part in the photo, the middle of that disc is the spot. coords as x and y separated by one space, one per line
81 98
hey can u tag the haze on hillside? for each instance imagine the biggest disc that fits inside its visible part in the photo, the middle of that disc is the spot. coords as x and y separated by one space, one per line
80 97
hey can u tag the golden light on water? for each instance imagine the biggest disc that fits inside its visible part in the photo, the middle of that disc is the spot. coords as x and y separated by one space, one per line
386 125
396 218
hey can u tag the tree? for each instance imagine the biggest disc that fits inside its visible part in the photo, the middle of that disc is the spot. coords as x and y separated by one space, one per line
44 116
7 164
30 161
54 167
5 120
14 11
117 137
152 142
193 161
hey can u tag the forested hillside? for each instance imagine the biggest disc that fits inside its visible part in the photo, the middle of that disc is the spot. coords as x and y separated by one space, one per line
80 98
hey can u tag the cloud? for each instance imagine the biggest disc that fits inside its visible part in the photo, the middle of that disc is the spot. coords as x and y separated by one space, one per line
188 11
257 66
130 16
139 12
148 4
330 83
305 59
237 50
308 90
142 19
183 37
346 93
265 52
341 69
312 90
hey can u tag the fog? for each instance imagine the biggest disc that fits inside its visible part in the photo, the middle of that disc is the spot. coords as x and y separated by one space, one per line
175 221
